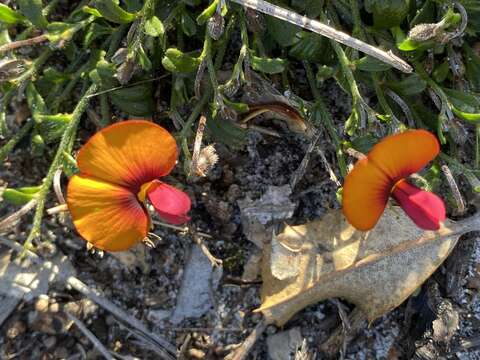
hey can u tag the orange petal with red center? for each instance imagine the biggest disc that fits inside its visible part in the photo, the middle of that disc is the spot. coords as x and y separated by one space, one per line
425 209
403 154
365 194
129 153
170 203
106 215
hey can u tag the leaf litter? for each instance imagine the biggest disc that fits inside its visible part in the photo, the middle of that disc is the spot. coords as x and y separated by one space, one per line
376 270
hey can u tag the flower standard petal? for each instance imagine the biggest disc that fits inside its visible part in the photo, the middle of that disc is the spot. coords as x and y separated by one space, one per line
169 202
403 154
129 153
425 209
365 194
108 216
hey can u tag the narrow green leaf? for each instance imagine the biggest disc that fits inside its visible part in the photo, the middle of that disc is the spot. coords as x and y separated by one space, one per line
207 13
154 27
17 197
370 64
111 11
409 86
178 62
189 27
32 9
267 65
9 16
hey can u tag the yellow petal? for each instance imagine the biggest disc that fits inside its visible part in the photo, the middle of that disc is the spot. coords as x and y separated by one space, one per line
365 194
403 154
108 216
129 153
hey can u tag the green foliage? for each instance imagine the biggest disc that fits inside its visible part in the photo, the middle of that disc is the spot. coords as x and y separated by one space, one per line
21 195
32 10
9 16
173 61
111 11
387 14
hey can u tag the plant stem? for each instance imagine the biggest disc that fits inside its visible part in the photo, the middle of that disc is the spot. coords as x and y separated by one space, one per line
5 150
36 65
20 43
477 147
327 120
67 136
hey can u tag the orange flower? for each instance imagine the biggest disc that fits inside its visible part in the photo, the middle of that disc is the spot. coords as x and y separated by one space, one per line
383 173
119 168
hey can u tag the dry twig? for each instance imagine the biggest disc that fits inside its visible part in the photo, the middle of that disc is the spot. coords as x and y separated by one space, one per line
20 43
96 343
327 31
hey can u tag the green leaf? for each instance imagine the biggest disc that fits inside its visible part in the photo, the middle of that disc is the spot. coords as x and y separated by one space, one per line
32 9
154 27
178 62
441 72
310 47
135 100
35 102
207 13
62 31
472 64
387 14
409 86
267 65
111 11
20 196
464 105
411 45
364 143
226 132
37 145
143 59
95 31
285 34
370 64
52 127
9 16
91 11
239 107
189 27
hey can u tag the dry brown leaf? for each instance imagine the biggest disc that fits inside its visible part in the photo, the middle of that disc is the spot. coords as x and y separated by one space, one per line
375 270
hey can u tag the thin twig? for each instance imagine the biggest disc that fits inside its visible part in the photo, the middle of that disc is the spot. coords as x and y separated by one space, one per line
57 187
96 343
199 241
327 31
10 220
243 350
181 228
127 86
20 43
461 208
163 347
57 209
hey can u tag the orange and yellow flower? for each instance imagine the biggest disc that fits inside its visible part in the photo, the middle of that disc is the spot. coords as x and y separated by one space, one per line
383 173
120 167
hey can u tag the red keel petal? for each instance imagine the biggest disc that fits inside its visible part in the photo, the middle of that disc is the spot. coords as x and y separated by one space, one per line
425 209
169 202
